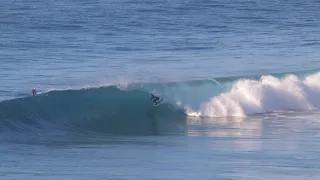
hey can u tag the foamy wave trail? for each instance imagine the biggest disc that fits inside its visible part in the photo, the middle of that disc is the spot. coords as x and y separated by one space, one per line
107 110
268 94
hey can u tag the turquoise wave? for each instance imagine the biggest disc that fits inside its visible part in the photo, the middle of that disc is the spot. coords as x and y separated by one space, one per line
116 110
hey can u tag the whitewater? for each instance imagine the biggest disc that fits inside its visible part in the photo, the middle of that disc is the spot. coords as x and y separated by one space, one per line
268 94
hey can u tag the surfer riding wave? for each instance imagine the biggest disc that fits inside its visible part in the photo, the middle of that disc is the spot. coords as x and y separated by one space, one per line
155 99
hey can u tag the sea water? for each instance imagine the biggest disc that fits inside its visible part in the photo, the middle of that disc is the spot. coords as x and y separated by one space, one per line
240 81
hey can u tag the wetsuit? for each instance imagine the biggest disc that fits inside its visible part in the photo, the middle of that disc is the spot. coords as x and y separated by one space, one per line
154 98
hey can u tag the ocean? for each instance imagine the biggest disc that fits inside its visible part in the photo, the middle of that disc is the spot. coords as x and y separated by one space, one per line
239 79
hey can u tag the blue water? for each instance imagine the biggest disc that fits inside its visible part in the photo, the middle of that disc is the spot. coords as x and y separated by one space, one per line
240 81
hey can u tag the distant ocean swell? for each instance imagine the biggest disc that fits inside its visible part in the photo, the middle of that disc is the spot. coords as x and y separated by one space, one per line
114 110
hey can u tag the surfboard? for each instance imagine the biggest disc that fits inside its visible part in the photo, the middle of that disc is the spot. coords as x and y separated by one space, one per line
156 104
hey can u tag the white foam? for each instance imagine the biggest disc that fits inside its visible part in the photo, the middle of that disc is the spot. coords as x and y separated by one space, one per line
268 94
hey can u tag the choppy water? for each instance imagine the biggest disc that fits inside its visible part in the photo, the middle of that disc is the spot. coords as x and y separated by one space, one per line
240 82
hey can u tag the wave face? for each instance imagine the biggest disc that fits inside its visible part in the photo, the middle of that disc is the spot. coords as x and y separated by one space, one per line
129 111
107 110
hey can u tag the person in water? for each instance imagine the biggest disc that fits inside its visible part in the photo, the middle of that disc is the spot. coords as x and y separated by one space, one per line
155 99
33 91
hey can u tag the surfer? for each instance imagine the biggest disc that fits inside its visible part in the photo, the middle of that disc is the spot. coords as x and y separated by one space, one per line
155 99
33 91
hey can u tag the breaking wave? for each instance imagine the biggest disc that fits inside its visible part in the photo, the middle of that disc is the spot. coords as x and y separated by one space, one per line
268 94
119 110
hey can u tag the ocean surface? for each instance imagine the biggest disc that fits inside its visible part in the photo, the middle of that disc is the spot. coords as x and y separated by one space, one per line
240 81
